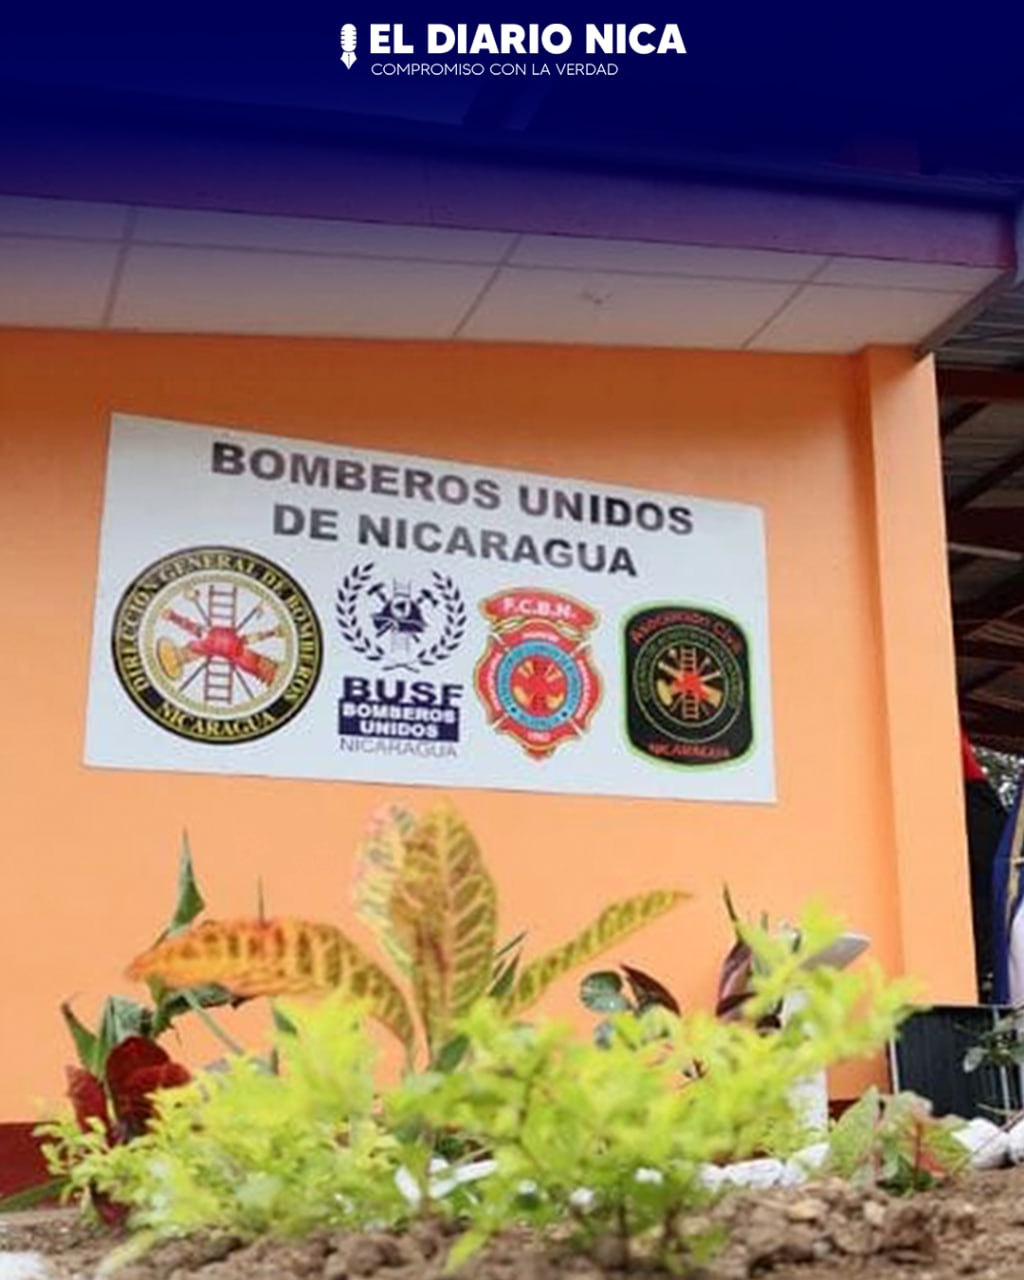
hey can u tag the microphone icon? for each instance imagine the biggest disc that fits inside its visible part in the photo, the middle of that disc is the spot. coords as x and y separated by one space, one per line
348 44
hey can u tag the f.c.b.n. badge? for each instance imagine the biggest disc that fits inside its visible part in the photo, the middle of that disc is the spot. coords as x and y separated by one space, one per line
536 679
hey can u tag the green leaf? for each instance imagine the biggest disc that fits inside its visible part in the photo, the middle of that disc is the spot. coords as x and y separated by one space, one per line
504 979
282 1023
730 907
190 901
207 996
945 1147
450 1055
210 1022
465 1246
443 912
505 967
602 992
29 1197
514 945
272 958
851 1142
380 857
614 923
121 1018
87 1043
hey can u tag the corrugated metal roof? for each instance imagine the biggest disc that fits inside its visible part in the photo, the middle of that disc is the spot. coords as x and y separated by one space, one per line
983 473
994 339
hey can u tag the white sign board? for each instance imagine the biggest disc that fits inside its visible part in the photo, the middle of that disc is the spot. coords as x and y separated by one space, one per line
281 608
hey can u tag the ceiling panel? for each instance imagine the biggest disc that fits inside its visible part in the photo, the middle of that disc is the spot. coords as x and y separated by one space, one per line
591 254
932 276
223 291
580 307
317 235
55 283
845 319
228 272
23 215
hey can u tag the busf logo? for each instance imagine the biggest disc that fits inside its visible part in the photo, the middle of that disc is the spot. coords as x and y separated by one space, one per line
400 624
349 39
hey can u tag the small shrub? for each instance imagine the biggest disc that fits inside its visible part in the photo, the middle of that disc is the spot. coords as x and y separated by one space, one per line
247 1151
895 1142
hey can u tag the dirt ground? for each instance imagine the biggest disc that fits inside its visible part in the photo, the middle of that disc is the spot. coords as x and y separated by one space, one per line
829 1231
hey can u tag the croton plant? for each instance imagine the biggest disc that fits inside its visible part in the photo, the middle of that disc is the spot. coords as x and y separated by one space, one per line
424 890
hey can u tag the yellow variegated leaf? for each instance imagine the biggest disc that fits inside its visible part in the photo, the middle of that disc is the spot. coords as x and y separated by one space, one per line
274 958
613 924
379 858
444 912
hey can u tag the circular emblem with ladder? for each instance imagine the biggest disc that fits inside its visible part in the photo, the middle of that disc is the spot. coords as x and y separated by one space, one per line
687 685
217 644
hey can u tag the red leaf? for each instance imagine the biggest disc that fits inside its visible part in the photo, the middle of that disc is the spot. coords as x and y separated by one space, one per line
135 1070
648 991
136 1102
87 1098
131 1055
734 980
112 1212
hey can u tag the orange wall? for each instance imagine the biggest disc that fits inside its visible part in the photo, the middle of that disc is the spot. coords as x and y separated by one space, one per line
841 454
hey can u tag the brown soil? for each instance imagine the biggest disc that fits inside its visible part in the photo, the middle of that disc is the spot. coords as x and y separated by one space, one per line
973 1227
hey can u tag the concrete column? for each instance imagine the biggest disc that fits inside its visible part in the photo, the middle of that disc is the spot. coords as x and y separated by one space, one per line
921 729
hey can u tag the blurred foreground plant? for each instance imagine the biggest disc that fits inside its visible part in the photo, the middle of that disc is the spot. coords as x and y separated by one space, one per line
613 1141
249 1151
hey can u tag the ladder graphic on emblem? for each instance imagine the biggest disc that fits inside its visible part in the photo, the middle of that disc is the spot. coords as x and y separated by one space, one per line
219 673
222 604
688 682
690 666
218 682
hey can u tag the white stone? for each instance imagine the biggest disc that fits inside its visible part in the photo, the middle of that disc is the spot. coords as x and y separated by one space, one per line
406 1184
766 1172
988 1145
474 1171
1016 1140
22 1266
456 1176
806 1162
809 1099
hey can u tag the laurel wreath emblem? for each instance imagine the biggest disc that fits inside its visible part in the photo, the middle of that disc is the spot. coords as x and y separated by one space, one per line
352 587
355 583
